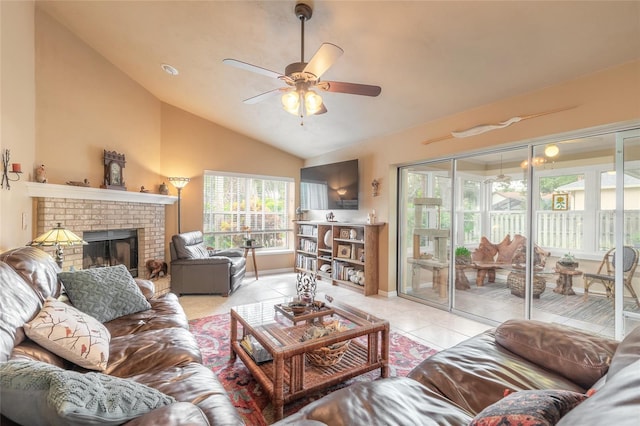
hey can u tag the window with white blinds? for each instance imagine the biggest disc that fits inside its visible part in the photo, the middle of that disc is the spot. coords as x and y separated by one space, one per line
241 206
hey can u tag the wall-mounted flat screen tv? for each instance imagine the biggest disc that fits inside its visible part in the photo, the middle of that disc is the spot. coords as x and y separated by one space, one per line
330 186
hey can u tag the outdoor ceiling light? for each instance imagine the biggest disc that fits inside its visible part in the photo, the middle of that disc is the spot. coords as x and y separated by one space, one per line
535 162
551 150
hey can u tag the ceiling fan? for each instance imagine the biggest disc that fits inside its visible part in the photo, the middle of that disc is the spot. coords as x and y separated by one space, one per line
501 178
301 78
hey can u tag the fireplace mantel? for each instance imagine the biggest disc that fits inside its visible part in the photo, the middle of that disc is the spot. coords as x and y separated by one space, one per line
49 190
84 209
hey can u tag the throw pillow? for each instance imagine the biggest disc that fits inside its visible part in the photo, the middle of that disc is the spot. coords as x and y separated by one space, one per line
529 408
104 293
58 396
24 386
95 398
70 334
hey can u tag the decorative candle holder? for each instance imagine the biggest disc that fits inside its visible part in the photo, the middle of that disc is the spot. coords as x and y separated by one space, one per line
16 169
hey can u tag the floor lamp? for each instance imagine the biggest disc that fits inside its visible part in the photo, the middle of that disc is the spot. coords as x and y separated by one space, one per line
179 182
58 237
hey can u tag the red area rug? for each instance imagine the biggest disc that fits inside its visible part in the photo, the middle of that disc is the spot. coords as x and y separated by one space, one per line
212 334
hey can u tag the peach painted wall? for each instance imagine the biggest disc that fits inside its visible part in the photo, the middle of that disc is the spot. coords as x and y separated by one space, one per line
610 96
65 104
17 106
191 145
86 105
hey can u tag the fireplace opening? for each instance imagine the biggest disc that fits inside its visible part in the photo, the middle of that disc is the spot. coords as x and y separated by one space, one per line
110 248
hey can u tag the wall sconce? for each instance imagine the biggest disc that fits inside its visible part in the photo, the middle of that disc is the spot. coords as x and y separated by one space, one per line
58 237
179 182
16 169
375 186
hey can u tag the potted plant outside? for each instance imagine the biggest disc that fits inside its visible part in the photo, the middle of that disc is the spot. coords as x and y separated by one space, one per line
568 261
462 259
463 256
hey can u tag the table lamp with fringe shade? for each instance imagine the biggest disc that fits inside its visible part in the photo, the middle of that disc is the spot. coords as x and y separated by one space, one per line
57 237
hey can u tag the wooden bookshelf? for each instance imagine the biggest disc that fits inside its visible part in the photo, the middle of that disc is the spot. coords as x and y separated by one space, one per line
351 250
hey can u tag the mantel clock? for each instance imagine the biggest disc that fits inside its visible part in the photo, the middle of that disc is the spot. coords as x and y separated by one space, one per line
113 165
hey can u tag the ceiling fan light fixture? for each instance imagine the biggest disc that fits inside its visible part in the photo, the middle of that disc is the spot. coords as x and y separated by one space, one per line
312 102
291 102
304 75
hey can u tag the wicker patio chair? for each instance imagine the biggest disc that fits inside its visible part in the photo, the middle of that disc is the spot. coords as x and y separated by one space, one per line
606 272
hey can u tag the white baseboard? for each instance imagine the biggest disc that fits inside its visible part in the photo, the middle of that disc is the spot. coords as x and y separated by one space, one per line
262 272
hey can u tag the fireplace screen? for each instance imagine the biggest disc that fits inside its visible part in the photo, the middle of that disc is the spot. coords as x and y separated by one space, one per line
110 248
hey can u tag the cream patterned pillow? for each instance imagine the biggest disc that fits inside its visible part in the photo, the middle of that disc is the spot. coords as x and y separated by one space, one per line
70 334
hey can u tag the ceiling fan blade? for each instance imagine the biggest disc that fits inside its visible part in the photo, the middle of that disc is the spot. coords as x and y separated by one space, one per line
352 88
266 95
499 179
253 68
322 60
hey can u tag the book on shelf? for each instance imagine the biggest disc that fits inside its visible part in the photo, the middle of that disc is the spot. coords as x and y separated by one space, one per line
343 271
309 230
306 262
308 245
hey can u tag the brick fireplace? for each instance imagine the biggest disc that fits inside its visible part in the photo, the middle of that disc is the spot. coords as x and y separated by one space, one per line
81 210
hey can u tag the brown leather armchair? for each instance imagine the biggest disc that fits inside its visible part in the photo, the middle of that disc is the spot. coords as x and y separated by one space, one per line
197 270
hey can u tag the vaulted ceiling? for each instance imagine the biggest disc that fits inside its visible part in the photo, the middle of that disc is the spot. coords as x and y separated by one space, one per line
432 58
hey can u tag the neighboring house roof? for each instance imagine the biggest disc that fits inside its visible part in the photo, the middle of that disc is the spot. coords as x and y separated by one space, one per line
608 181
510 201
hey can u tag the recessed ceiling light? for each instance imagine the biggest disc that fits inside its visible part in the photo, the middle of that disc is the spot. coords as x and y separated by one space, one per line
169 69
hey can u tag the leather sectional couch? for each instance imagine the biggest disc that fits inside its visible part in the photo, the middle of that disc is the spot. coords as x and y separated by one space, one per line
457 384
152 347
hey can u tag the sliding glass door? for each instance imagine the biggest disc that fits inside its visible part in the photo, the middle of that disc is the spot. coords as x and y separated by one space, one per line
527 232
627 287
424 234
491 223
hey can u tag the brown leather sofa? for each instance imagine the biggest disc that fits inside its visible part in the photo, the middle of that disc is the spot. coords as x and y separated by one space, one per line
152 347
454 385
197 270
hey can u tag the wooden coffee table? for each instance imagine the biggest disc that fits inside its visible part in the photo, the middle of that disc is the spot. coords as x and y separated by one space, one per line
290 375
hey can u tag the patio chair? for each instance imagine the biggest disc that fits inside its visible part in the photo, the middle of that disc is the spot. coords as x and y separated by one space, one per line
605 274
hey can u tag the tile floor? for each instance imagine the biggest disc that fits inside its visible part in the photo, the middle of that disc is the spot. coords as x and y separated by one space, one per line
430 326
